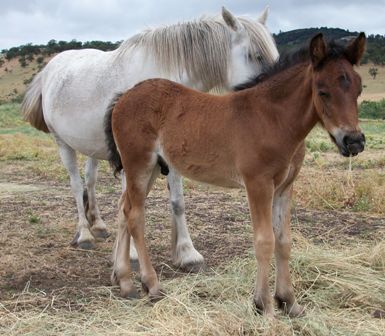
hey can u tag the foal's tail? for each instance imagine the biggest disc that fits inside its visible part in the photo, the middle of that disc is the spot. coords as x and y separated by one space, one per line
113 154
32 106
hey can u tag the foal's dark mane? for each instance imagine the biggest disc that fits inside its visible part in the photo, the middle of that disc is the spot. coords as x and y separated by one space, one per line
290 59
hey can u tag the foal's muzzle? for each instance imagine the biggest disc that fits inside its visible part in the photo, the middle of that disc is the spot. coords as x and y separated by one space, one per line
350 144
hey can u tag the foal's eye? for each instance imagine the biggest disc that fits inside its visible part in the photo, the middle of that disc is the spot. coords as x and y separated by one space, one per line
323 94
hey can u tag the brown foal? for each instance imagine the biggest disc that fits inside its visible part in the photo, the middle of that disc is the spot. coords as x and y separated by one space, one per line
253 138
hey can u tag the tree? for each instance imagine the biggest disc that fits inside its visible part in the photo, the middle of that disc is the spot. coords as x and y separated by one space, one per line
40 60
23 61
373 72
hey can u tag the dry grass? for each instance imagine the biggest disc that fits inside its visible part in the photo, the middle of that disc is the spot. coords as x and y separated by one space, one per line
340 284
341 290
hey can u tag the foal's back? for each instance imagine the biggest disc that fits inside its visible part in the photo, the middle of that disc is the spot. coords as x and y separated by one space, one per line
191 129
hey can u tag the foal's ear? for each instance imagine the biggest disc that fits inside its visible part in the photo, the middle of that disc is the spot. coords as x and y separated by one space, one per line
355 50
262 19
317 49
231 20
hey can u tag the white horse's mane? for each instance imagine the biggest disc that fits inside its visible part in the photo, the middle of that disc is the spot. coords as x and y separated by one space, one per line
201 48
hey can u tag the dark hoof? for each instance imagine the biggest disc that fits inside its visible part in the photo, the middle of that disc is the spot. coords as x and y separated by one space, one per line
129 294
153 296
101 234
291 309
134 265
266 310
193 267
87 245
258 308
379 314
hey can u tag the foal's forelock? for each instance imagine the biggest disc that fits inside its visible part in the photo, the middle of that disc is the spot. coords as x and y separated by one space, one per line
201 49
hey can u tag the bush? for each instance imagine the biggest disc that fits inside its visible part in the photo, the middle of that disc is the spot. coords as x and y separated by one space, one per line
372 110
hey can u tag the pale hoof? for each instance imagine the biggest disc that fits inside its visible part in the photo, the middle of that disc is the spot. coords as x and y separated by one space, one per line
100 233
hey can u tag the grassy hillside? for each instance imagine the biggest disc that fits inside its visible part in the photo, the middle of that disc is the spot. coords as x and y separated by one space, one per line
13 78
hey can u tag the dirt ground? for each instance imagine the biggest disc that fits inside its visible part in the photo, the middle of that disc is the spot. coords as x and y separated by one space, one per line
38 217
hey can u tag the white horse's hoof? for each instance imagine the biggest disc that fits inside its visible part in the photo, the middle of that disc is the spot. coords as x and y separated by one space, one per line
84 245
100 233
195 267
188 259
87 245
134 265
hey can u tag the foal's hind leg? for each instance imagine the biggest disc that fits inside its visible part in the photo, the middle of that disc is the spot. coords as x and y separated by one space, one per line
98 227
83 237
121 272
122 269
184 254
138 186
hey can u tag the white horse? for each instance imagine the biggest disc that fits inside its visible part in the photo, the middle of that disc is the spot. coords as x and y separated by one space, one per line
70 96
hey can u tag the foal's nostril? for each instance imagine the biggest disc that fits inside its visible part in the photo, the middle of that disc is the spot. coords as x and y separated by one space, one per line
354 143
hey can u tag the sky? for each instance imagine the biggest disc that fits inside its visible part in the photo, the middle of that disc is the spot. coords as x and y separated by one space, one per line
38 21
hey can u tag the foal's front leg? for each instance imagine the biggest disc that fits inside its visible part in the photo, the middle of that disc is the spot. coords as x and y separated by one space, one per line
284 292
260 196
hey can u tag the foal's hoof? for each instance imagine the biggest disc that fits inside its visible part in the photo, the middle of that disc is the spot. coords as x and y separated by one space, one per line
100 233
266 310
154 295
291 309
128 290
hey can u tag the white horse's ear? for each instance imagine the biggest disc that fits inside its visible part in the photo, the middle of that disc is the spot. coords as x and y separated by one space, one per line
262 19
231 20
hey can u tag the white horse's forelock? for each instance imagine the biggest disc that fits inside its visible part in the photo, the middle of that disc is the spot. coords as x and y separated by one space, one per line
197 47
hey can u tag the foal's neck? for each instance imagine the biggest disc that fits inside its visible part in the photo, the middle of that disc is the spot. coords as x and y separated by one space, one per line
292 89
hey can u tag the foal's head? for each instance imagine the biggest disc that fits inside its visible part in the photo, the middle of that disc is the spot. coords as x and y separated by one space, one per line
336 87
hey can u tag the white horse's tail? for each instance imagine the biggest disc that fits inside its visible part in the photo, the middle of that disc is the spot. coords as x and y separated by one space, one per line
32 105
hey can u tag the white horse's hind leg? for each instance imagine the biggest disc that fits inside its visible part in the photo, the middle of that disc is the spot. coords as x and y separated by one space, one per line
184 254
83 237
98 227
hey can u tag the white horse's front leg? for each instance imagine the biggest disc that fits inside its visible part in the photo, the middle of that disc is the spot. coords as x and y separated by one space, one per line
184 255
98 227
83 237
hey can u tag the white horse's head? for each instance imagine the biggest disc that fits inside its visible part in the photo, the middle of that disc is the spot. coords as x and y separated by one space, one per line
252 47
